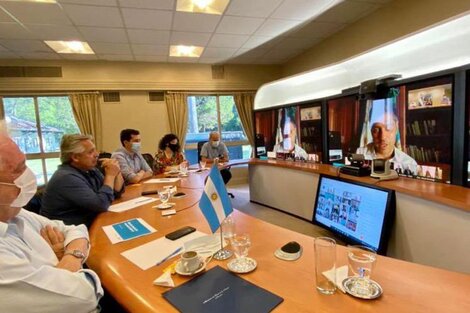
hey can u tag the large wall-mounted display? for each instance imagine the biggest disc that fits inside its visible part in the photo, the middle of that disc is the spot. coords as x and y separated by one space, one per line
411 127
290 132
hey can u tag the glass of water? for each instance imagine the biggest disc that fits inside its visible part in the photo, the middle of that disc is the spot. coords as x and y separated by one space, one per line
361 262
241 243
228 227
164 196
184 168
202 164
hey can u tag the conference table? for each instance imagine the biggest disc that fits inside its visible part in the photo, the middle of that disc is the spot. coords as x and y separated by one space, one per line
407 287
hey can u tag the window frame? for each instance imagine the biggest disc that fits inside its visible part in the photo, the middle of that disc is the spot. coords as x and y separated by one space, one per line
193 146
42 155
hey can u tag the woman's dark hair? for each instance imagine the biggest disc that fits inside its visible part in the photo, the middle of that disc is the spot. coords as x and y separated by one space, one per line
166 140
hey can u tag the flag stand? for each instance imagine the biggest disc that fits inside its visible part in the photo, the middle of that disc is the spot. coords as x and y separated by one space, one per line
222 254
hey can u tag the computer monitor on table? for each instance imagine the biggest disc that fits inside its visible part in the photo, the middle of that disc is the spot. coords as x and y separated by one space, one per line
357 213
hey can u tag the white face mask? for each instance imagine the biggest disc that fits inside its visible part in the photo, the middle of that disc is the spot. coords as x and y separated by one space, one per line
215 143
136 146
26 182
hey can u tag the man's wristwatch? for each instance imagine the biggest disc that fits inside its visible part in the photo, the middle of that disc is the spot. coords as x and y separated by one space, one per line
76 253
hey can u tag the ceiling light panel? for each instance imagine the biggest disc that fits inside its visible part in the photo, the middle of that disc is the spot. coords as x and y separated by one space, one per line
186 51
202 6
70 47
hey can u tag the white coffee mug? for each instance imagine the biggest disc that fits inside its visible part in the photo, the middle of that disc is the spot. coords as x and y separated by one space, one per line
190 261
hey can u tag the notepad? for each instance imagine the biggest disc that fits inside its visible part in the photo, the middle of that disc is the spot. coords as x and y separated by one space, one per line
217 291
128 230
130 204
161 180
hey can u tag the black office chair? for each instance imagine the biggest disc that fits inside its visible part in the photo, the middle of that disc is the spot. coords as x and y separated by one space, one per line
104 155
34 205
225 173
149 159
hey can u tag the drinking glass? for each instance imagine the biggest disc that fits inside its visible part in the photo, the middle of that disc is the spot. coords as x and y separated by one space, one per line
164 196
241 243
226 232
361 262
325 262
228 227
184 168
202 164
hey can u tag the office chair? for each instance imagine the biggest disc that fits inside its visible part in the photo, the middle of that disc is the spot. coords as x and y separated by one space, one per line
149 159
225 172
34 205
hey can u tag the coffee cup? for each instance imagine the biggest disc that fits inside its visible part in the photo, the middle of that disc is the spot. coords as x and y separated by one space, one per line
190 261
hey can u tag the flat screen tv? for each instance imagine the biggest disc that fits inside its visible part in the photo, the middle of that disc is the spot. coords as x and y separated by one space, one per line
357 213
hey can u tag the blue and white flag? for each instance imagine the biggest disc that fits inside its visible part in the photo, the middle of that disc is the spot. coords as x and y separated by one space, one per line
215 203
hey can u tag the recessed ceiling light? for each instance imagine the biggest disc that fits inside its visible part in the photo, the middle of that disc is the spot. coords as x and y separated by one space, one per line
202 6
186 51
77 47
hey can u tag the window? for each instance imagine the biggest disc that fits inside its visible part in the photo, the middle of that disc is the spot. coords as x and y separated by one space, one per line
209 113
37 124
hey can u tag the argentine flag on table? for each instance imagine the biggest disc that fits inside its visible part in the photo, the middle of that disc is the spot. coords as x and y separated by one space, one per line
215 203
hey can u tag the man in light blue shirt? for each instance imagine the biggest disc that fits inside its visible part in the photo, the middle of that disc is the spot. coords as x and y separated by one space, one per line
133 166
41 260
215 151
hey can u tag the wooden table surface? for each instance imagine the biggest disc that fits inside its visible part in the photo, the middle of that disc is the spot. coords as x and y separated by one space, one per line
407 287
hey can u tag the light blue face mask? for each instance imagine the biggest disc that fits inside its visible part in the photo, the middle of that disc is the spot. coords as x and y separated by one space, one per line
136 146
215 144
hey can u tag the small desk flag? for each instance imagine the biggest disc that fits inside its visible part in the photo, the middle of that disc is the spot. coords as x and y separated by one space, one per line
215 203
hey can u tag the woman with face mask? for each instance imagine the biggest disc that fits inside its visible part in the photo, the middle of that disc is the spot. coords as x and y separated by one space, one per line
169 155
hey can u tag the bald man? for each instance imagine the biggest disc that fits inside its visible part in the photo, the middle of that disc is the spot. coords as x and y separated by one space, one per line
40 259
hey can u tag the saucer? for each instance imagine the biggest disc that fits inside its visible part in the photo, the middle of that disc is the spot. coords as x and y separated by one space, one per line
235 267
163 206
181 271
374 288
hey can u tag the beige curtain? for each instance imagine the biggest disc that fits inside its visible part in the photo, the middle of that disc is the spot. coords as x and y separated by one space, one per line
245 103
177 107
87 113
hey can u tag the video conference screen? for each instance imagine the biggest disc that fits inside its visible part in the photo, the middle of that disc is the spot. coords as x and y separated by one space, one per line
360 214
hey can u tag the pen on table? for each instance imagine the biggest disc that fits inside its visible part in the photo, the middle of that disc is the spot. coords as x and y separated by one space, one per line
170 255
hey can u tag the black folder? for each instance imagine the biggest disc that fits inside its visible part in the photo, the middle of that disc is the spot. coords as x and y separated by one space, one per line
218 291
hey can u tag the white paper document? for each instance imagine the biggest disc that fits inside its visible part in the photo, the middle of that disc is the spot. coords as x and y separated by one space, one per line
341 274
127 205
128 230
162 180
151 253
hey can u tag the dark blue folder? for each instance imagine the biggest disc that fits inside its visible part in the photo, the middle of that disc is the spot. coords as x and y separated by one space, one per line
218 291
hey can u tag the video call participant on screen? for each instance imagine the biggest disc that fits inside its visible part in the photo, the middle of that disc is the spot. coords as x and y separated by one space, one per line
383 146
41 260
215 150
77 192
288 144
133 166
169 154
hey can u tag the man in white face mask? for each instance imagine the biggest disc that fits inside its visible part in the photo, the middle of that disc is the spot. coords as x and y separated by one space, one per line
133 166
40 259
215 151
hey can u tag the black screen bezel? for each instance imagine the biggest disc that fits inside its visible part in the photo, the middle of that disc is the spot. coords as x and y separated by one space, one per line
387 223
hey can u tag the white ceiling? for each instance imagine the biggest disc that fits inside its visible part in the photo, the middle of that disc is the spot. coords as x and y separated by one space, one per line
249 31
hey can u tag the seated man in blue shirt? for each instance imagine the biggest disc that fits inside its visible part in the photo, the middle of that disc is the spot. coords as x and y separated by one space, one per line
215 151
133 166
41 260
78 191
